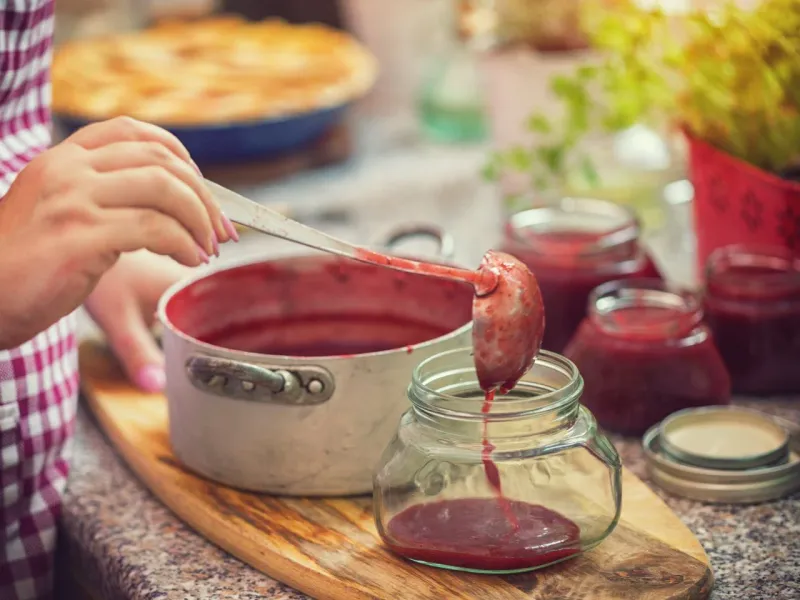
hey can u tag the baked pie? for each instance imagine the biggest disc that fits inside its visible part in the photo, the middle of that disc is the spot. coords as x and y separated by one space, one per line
213 71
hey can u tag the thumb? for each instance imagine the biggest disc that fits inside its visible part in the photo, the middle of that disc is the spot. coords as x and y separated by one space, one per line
135 347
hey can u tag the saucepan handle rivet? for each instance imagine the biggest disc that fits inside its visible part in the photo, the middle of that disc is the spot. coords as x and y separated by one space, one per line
217 381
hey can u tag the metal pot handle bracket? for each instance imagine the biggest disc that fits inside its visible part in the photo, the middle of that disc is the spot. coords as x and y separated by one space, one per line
445 244
305 385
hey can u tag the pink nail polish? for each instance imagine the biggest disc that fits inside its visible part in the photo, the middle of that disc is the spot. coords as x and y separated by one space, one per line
151 378
215 243
203 254
230 229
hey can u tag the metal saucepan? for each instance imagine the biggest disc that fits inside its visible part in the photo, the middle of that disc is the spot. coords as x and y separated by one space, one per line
288 376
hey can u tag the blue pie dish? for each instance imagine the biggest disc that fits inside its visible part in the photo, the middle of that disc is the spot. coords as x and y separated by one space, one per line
219 144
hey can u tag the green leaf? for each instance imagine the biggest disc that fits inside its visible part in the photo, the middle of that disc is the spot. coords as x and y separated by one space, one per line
586 72
513 202
538 123
492 168
589 172
552 157
519 159
564 87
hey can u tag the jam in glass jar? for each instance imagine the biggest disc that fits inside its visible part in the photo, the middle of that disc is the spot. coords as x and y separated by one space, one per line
752 305
644 353
508 486
572 246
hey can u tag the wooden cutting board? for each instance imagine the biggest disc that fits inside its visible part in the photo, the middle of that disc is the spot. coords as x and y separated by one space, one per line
329 549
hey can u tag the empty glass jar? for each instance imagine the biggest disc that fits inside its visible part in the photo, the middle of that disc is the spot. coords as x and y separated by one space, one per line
644 354
525 484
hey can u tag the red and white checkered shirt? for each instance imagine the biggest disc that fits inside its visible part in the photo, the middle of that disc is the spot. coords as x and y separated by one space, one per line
38 380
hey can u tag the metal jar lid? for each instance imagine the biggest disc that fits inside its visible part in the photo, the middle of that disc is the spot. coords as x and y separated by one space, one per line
722 437
741 485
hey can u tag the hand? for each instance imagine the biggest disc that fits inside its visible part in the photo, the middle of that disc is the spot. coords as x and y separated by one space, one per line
123 304
112 187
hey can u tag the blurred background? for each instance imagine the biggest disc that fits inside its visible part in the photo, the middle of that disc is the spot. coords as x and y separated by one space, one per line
457 85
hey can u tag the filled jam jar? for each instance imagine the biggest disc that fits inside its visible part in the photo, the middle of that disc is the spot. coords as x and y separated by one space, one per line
752 304
506 486
573 245
644 353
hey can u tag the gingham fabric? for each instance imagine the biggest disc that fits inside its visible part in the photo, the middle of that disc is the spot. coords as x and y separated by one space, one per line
38 380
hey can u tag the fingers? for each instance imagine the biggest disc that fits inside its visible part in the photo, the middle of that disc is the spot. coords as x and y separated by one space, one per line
169 187
132 229
126 129
132 341
156 189
131 155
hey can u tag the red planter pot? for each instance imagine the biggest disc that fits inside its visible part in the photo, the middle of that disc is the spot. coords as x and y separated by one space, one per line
737 203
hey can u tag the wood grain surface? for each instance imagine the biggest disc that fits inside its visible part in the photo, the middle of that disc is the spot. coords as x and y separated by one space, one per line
329 549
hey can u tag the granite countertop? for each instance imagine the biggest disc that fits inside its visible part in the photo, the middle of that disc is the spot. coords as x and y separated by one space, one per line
128 546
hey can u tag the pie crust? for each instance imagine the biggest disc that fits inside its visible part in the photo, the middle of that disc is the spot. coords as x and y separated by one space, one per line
214 71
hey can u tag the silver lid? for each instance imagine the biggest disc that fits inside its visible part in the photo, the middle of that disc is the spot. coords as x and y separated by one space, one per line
729 486
724 437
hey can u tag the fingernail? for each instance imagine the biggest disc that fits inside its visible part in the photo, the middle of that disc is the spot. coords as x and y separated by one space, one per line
203 254
229 228
215 243
196 168
151 378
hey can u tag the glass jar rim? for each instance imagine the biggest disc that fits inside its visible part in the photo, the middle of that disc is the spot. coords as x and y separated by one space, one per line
510 406
782 280
682 310
541 217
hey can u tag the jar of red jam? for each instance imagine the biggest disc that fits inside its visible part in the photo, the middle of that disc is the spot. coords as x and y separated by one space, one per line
644 353
752 304
499 485
573 245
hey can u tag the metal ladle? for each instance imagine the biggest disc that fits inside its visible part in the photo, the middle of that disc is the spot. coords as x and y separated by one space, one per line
507 311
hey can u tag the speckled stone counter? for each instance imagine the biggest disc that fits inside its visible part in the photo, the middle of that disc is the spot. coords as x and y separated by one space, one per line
127 545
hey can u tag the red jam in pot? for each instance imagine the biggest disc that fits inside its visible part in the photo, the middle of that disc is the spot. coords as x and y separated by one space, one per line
475 533
752 305
572 246
325 335
644 354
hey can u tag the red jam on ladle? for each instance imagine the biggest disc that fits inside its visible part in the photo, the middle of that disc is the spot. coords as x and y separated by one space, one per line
508 323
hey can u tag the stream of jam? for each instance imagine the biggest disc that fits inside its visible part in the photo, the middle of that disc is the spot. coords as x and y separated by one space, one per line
489 466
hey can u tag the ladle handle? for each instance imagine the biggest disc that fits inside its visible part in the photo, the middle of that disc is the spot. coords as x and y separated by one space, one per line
261 218
257 216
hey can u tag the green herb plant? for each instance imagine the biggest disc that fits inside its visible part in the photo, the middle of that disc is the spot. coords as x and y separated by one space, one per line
728 76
